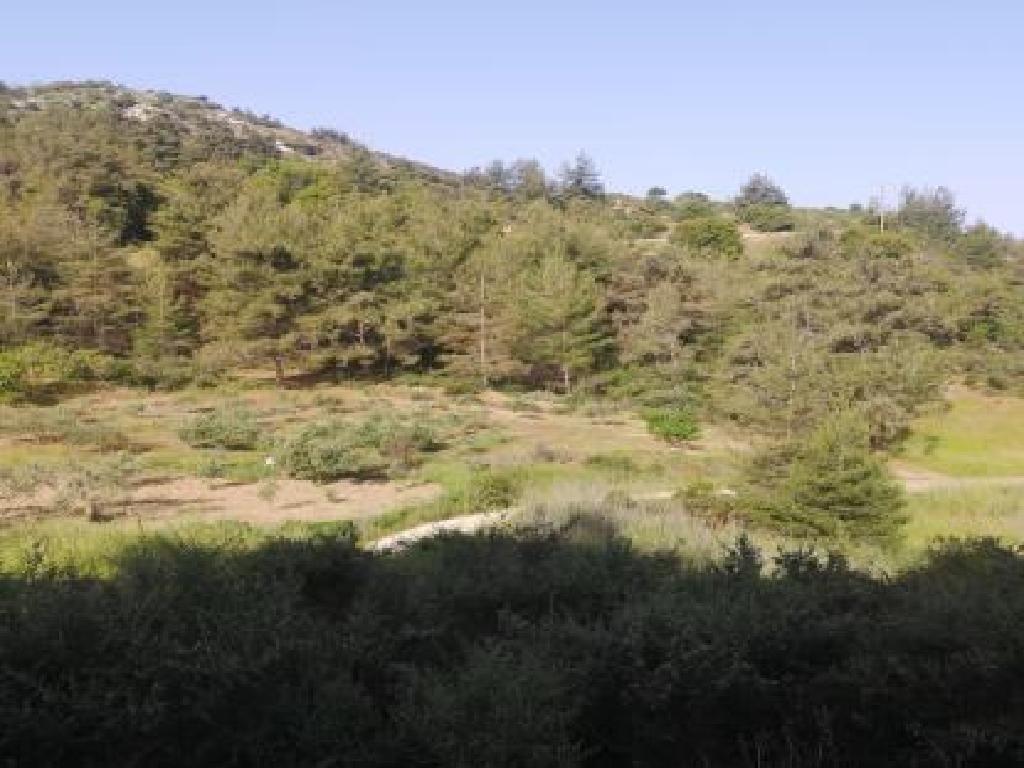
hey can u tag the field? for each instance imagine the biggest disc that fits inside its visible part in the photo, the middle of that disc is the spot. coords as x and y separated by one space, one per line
128 453
536 439
976 436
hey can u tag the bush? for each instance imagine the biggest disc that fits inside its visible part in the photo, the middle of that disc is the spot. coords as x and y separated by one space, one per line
693 205
766 217
232 429
12 374
877 245
325 453
709 236
672 424
231 645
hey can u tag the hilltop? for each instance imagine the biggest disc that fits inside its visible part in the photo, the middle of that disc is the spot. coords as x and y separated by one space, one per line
197 120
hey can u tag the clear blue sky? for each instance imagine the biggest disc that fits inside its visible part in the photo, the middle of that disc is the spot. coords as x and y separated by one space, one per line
831 99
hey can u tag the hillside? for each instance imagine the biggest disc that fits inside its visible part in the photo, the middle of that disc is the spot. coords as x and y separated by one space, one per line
162 241
167 238
314 455
195 121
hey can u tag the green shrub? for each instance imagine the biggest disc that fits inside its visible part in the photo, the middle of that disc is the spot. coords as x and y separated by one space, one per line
693 205
12 374
873 244
376 447
326 453
709 236
232 429
397 441
767 217
672 424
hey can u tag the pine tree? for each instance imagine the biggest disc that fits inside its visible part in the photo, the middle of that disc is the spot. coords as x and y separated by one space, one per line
556 321
581 178
830 484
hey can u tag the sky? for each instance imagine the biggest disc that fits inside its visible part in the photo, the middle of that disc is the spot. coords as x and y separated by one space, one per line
835 101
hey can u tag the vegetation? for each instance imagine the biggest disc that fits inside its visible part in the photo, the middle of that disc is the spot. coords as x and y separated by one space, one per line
233 429
205 312
710 236
763 205
828 485
175 251
375 447
672 424
550 647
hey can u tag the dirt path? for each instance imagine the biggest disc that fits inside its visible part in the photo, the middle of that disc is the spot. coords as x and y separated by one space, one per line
917 480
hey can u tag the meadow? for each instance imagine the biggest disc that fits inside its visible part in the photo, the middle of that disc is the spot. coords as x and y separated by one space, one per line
114 462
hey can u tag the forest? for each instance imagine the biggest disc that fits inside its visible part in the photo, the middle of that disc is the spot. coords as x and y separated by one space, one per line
206 302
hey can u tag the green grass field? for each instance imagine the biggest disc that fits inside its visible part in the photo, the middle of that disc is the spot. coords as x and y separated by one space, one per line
979 435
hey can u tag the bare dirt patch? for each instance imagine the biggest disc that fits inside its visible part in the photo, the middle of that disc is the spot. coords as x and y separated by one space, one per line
225 500
917 480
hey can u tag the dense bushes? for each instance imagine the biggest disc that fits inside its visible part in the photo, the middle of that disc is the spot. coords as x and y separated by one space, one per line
764 217
31 369
709 236
376 447
546 649
763 205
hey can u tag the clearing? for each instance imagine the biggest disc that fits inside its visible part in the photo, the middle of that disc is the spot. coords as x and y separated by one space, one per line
538 435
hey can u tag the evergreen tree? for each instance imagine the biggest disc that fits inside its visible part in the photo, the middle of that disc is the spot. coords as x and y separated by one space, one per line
557 322
581 178
830 484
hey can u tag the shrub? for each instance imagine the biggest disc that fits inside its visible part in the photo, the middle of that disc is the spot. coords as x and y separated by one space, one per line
672 424
12 374
693 205
829 484
767 217
206 646
876 245
232 429
325 453
397 441
709 236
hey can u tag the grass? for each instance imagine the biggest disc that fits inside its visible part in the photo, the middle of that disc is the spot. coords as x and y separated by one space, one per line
979 436
990 510
486 463
234 466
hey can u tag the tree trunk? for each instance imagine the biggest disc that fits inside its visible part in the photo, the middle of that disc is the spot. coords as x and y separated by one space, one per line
566 382
279 370
483 332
